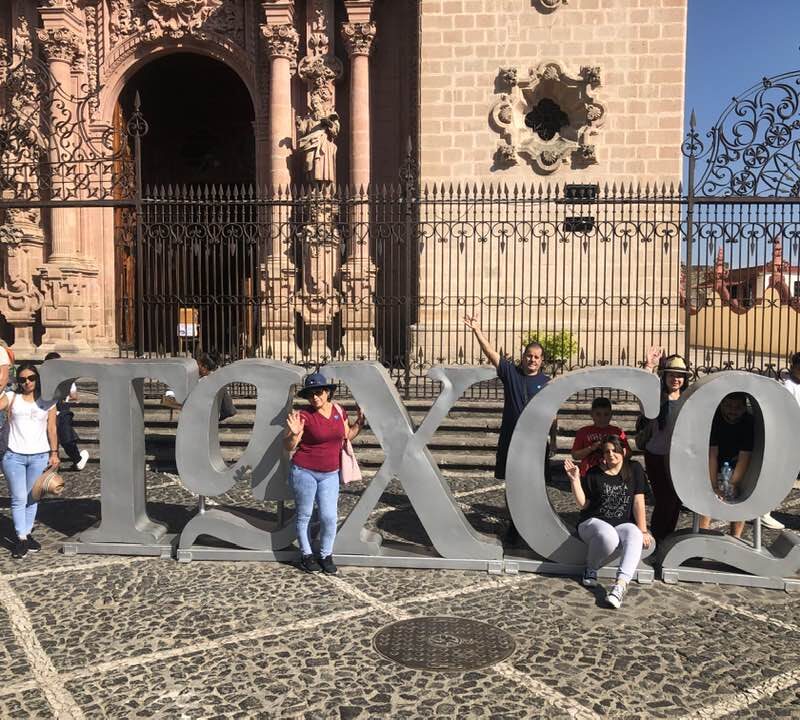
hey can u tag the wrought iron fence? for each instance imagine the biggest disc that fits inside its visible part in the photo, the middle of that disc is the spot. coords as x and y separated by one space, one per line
308 277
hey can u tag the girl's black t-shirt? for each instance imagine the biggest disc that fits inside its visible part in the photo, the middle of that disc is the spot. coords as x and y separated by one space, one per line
610 497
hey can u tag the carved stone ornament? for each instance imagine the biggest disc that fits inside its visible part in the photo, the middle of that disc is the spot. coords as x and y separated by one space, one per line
549 116
506 155
155 19
282 40
20 299
68 4
5 61
61 45
358 37
507 77
182 17
317 132
319 68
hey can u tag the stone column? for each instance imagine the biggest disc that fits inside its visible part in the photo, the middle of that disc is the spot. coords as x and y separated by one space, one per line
358 38
69 280
282 43
359 272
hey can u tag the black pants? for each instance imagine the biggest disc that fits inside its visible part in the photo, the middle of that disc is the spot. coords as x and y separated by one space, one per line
667 506
73 451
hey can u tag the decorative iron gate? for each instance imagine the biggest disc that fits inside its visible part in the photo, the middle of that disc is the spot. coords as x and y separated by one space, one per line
389 275
742 257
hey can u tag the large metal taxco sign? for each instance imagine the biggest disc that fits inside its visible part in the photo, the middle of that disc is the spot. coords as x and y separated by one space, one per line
126 528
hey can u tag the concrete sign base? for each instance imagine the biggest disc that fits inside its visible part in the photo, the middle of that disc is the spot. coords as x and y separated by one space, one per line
163 549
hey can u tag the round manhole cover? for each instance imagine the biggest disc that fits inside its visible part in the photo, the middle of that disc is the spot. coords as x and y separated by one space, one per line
443 643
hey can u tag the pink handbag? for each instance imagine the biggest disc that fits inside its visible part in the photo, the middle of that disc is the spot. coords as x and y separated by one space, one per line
348 465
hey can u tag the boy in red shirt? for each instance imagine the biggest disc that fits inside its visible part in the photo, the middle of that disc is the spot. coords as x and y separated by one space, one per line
588 440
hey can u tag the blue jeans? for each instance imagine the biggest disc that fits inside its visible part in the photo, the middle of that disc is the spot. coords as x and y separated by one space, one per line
308 486
21 472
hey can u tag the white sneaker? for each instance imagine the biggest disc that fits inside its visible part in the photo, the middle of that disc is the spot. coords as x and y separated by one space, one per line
768 521
615 595
84 459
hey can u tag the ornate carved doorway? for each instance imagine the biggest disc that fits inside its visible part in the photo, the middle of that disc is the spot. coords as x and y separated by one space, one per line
200 118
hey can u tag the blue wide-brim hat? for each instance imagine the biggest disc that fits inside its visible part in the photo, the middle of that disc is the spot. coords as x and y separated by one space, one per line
315 381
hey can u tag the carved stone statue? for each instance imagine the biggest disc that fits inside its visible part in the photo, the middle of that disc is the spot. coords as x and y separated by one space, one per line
316 143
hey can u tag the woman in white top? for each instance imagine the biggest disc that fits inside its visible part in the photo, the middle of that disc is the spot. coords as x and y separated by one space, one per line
32 446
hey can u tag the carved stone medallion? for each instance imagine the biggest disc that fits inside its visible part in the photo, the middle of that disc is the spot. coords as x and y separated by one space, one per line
547 117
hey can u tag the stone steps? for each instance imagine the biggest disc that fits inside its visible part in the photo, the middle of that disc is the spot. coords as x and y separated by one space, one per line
465 443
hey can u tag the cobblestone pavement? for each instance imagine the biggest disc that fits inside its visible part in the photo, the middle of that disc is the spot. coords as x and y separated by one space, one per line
94 636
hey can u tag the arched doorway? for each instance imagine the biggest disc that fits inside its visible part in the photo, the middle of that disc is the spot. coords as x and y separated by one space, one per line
200 117
201 122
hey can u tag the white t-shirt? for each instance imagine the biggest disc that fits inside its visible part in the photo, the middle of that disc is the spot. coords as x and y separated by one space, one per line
27 431
793 387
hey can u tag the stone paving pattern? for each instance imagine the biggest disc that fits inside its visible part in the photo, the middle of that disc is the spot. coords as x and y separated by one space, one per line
99 636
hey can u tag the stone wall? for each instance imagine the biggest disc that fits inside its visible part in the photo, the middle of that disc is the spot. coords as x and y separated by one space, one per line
638 46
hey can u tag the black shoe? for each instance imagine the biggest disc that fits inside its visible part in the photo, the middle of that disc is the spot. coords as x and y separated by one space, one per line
34 546
327 565
20 550
309 564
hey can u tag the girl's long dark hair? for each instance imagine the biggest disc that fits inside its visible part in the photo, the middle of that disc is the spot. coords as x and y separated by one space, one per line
626 473
26 365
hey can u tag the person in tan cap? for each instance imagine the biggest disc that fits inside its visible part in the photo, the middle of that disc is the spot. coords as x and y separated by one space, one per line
652 439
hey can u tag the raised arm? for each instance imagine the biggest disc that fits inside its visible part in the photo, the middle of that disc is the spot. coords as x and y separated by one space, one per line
294 430
574 475
491 354
653 357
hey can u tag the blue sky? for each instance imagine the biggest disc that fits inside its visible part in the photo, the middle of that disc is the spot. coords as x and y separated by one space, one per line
731 45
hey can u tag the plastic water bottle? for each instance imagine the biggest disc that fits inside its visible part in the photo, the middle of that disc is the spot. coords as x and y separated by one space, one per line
725 473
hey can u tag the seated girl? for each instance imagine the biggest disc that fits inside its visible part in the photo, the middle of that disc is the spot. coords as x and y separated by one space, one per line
611 501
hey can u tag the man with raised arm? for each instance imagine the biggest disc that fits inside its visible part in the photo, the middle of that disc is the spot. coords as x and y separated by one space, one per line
520 384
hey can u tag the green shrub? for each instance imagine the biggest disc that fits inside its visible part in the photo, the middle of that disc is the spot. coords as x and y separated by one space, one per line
559 347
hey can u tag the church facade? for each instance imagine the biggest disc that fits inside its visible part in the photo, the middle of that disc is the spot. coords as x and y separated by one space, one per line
307 96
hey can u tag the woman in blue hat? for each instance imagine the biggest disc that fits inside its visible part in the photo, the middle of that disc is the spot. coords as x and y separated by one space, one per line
316 436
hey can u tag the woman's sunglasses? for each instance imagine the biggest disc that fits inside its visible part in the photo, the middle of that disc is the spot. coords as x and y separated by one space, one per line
22 379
